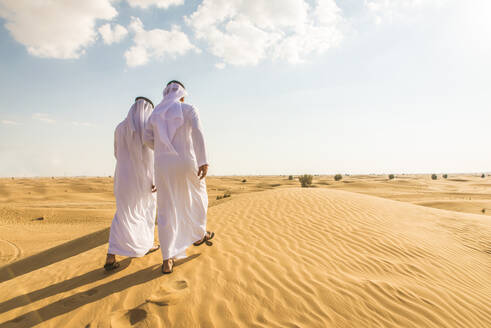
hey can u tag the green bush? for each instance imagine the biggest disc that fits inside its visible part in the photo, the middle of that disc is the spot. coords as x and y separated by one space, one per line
445 176
290 177
305 180
434 176
391 176
338 177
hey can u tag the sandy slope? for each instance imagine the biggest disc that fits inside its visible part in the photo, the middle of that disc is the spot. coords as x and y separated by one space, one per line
71 208
282 258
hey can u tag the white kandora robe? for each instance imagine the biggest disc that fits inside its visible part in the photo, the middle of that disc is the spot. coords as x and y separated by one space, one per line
133 226
174 132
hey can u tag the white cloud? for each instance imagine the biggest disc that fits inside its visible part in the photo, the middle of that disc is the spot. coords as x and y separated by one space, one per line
112 34
242 32
8 122
87 124
158 3
391 10
43 118
156 43
55 29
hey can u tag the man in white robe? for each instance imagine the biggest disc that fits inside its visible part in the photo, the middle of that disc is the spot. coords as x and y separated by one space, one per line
174 132
133 226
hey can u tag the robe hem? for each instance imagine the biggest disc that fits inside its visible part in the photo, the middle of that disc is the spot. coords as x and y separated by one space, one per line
123 253
177 254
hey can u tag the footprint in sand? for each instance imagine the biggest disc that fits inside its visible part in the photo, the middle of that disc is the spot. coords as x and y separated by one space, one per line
168 295
180 284
145 315
137 317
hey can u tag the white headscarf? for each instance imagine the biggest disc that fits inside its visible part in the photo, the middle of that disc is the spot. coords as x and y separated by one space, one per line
138 116
170 112
135 123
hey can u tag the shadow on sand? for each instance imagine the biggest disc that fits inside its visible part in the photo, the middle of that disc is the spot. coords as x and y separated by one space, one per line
75 301
53 255
61 287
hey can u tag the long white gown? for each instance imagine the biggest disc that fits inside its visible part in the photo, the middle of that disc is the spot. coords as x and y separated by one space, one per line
133 225
182 199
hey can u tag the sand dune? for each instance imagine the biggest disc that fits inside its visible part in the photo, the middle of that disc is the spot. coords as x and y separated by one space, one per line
291 257
465 206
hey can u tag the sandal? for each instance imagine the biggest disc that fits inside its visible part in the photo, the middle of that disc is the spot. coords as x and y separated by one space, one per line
209 236
153 249
171 268
111 266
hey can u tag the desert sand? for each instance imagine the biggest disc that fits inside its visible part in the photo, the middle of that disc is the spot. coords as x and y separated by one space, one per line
365 251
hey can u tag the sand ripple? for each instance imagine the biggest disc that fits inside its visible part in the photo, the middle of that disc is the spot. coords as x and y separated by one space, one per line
282 258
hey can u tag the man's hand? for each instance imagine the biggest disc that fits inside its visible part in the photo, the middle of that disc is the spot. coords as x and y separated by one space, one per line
202 171
154 189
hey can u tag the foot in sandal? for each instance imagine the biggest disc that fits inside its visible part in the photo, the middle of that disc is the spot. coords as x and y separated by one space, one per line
168 266
153 249
111 263
208 236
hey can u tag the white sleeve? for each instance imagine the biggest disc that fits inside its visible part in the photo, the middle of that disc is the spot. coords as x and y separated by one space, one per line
148 138
198 139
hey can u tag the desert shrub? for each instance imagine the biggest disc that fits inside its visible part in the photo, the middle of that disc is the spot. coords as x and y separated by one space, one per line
305 180
483 210
483 175
244 181
434 176
225 195
290 177
445 176
338 177
391 176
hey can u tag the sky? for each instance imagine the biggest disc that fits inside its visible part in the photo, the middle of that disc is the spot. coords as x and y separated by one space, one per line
282 86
